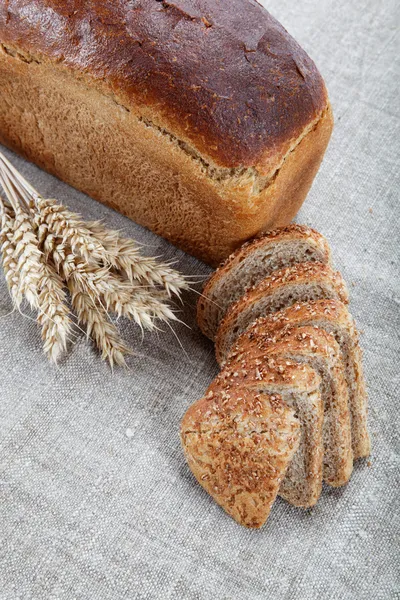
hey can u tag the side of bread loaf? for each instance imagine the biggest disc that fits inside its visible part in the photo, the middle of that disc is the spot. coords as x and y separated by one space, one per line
251 263
334 317
299 283
136 105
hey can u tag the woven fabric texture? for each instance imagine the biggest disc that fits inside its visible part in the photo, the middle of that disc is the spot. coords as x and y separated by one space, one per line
96 499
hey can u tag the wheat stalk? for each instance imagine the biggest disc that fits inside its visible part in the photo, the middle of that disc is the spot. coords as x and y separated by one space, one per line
46 248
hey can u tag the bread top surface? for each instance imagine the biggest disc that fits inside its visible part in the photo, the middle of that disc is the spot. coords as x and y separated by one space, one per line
224 77
305 340
243 410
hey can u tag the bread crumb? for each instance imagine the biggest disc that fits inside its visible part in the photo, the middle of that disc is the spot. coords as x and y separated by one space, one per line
129 433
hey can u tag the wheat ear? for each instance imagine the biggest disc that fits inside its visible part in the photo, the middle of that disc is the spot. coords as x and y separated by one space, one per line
45 247
53 313
7 255
123 254
98 326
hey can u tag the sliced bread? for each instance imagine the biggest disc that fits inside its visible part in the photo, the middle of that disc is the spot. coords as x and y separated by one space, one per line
334 317
320 351
301 283
251 263
238 445
299 386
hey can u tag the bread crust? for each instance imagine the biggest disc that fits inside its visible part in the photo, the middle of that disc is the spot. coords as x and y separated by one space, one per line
265 242
150 161
242 107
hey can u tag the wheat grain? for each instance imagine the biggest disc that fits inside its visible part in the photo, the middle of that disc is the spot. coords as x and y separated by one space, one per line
7 254
143 306
125 298
28 258
60 226
53 314
124 255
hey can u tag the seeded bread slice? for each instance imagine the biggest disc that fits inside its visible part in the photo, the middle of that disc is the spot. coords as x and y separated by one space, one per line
320 350
254 261
334 317
301 283
299 387
238 445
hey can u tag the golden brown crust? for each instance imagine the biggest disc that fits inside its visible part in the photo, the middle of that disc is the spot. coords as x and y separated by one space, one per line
264 242
141 169
242 107
238 446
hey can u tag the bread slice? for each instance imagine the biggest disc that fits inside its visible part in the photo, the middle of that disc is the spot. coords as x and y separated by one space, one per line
299 283
334 317
251 263
238 445
299 387
318 349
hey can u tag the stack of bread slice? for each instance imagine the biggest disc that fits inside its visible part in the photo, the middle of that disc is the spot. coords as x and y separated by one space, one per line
288 411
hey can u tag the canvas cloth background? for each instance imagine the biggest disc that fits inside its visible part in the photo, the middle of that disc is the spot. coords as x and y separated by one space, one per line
89 512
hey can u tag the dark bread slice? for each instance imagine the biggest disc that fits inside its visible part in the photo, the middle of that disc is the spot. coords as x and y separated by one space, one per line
334 317
300 283
300 388
319 350
238 445
251 263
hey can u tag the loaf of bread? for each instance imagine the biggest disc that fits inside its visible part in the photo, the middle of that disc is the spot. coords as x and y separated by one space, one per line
204 121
